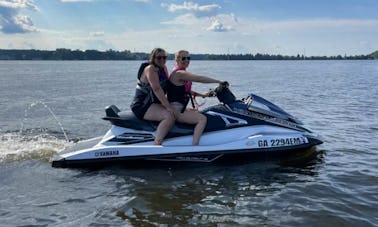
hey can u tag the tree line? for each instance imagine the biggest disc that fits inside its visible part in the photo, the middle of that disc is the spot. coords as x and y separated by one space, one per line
68 54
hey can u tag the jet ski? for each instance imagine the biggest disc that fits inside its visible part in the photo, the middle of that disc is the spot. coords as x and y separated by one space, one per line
236 129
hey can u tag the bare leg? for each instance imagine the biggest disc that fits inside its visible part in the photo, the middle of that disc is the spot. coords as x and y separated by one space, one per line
157 112
193 117
198 129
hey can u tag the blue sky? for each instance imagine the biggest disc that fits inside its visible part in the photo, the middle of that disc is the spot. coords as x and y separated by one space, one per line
288 27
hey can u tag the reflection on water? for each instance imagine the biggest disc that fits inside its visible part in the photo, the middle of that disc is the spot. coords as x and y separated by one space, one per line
214 194
303 159
334 186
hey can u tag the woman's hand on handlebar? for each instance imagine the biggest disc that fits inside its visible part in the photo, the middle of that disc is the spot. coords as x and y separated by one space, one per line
210 93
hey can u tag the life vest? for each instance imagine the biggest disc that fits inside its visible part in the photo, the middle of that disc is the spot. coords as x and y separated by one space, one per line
145 88
180 93
187 84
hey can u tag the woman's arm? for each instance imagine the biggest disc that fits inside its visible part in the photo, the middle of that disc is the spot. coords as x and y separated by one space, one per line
153 79
194 93
187 76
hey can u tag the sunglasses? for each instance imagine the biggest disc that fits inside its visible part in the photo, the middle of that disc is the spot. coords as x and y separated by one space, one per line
161 57
185 58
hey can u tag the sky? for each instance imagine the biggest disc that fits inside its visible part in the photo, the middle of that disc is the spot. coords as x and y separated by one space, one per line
286 27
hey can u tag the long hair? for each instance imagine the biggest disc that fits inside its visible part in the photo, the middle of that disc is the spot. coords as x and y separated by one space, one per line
153 54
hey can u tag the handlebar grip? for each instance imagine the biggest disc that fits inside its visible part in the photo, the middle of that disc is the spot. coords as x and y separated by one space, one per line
225 84
212 93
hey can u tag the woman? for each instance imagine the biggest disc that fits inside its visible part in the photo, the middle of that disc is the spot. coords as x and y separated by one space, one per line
150 102
180 92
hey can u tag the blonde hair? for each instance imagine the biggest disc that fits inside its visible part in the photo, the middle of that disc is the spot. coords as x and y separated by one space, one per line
178 53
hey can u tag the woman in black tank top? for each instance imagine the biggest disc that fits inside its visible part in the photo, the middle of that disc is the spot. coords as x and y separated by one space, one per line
180 91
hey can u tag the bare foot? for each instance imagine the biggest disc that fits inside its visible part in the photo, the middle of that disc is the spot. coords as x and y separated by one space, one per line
157 142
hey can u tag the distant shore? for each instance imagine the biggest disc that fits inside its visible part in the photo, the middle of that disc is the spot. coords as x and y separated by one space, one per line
67 54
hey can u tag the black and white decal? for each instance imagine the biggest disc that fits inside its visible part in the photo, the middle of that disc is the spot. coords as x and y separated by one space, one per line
130 138
229 120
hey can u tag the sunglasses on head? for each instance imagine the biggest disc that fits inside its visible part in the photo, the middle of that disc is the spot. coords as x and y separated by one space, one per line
161 57
185 58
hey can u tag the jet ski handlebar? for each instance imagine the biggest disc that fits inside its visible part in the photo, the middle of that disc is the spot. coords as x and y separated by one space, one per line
223 85
223 93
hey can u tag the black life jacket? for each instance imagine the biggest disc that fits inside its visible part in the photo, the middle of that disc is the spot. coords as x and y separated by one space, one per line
141 69
146 88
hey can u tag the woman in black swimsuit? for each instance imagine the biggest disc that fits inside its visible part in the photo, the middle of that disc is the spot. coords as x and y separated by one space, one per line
180 92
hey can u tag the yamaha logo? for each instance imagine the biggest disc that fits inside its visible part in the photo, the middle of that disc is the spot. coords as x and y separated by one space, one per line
106 153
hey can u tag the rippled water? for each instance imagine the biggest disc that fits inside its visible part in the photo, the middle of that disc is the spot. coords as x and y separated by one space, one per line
44 103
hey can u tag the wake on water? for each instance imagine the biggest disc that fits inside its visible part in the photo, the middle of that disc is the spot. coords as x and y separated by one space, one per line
40 144
18 147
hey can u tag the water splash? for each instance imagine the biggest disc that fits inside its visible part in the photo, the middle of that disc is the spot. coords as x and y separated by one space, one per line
27 110
36 143
17 147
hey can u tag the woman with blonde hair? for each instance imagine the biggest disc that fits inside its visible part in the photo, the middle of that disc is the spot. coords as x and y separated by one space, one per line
180 93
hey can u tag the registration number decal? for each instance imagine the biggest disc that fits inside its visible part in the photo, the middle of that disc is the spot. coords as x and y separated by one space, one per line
279 142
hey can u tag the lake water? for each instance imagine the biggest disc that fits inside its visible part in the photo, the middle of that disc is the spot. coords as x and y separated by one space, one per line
44 103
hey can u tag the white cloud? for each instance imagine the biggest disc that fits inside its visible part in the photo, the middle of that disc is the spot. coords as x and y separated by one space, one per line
12 21
219 23
320 36
97 34
185 19
204 17
262 37
72 1
78 0
195 8
217 26
216 23
144 1
18 4
210 32
223 23
319 23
